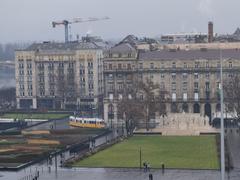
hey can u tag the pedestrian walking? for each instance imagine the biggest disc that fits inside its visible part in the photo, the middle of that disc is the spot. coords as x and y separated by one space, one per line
148 167
145 166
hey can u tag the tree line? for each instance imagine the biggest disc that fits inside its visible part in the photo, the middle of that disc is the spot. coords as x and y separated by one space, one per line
7 50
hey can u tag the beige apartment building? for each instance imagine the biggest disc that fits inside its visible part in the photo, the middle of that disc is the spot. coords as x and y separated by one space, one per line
59 76
191 77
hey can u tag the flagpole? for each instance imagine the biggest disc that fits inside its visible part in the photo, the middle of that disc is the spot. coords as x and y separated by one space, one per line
222 122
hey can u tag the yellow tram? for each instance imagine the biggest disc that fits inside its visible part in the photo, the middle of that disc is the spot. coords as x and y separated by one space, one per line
86 122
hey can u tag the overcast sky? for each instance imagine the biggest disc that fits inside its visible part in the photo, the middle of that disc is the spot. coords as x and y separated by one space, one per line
30 20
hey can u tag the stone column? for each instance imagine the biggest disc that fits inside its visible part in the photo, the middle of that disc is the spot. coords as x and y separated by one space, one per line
34 105
105 114
18 103
190 107
115 120
179 105
168 108
202 109
213 108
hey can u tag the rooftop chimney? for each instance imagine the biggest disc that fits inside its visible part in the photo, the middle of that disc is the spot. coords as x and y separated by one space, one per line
210 32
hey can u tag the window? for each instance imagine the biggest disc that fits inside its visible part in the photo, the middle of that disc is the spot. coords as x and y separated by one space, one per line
162 75
29 65
184 75
29 86
218 85
207 64
152 65
207 75
60 64
173 65
207 86
50 66
196 96
119 76
185 65
162 64
184 86
21 72
129 66
230 64
173 86
120 86
218 64
173 76
111 86
195 86
111 96
162 85
29 93
119 66
174 97
90 64
129 96
82 71
230 75
71 65
196 64
119 55
140 65
195 75
21 87
110 66
120 96
185 96
129 55
42 92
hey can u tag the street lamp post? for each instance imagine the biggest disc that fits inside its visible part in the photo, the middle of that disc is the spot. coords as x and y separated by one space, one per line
222 123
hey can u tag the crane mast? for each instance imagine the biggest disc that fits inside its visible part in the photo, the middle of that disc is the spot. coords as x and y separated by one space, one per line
66 23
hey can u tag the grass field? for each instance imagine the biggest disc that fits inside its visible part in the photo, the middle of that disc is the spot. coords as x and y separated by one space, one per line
196 152
34 116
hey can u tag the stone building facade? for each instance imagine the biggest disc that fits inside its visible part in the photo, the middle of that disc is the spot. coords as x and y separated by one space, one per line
190 77
59 76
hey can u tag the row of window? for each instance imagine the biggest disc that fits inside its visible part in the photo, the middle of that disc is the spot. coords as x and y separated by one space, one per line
121 66
185 65
119 55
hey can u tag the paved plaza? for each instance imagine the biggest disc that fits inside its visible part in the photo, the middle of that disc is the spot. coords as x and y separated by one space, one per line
113 174
120 174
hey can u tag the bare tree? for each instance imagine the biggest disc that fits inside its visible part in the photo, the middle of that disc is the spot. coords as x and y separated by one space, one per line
66 87
141 102
232 96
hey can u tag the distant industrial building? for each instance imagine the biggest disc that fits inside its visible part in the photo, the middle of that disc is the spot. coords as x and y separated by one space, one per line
235 37
180 38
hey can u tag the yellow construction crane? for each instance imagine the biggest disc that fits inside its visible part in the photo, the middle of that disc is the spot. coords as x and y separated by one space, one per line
75 20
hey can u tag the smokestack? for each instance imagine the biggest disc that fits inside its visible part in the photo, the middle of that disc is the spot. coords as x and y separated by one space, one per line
210 32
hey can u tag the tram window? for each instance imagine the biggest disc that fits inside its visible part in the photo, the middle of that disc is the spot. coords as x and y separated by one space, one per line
84 121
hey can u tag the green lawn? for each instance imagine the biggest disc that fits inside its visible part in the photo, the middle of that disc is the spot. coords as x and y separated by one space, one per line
34 116
197 152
